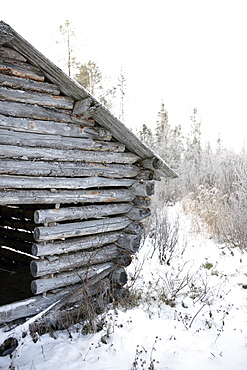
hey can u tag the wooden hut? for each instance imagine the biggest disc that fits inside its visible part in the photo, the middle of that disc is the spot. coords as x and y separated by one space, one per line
75 184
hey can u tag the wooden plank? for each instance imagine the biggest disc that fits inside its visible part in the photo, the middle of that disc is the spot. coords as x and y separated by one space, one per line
8 197
43 216
25 182
11 53
75 244
37 112
67 169
49 154
77 260
9 137
69 278
41 99
20 69
82 130
27 84
76 229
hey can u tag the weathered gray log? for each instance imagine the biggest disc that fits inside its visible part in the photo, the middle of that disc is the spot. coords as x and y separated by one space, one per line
67 169
145 175
150 163
29 307
85 108
82 105
144 202
78 244
48 154
54 317
143 188
135 228
6 33
6 52
83 129
20 69
16 244
157 164
26 182
130 242
43 216
9 197
12 255
138 214
27 84
119 276
125 136
69 278
22 214
75 229
8 137
36 112
76 260
34 305
31 97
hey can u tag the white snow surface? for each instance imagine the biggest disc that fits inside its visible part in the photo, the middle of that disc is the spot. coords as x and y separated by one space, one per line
205 328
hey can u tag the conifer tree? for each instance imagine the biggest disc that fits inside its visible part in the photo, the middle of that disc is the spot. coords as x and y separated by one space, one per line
68 33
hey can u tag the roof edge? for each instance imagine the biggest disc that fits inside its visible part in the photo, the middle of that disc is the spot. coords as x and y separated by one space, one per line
71 88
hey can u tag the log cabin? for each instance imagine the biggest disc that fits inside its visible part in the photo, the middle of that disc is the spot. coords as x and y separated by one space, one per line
75 186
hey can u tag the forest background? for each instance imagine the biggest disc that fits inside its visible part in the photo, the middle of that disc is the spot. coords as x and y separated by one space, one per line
212 177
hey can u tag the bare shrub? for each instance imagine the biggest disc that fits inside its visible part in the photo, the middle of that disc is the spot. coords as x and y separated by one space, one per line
164 235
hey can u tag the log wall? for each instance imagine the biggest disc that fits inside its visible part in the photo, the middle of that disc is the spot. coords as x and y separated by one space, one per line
72 197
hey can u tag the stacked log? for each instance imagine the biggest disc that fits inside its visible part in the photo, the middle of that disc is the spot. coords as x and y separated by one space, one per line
72 196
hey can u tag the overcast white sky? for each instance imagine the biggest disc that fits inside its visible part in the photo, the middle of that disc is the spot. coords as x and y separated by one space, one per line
188 53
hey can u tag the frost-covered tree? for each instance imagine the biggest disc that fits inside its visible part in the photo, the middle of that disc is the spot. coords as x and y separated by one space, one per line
121 86
68 34
91 78
146 135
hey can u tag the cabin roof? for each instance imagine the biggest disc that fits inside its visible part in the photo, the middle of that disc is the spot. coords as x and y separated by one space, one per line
100 113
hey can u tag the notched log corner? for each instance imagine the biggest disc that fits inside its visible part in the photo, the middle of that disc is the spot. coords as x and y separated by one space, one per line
85 108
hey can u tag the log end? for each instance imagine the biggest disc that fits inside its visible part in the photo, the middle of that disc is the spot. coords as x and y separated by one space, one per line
34 287
34 268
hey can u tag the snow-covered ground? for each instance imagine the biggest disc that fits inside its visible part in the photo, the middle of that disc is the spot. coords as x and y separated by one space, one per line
192 314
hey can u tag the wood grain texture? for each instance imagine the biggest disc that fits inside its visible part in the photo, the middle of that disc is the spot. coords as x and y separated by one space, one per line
15 197
75 229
